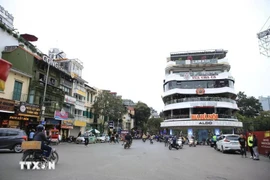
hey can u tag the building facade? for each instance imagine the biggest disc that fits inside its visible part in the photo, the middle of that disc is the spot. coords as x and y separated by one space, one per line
199 93
6 18
265 101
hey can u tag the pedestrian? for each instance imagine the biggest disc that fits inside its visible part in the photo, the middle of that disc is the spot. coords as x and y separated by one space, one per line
31 135
86 139
243 145
255 148
250 145
117 138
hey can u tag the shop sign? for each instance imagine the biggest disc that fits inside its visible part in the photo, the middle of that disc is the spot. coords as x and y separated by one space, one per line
188 76
200 91
51 62
205 61
67 124
111 124
61 115
204 116
6 105
30 110
20 118
5 122
206 122
79 123
69 99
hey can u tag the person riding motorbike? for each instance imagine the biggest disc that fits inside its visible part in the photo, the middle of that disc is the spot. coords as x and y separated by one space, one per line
174 141
128 138
40 136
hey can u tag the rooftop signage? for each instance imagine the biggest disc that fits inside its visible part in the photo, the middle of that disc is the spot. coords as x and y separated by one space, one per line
204 61
204 116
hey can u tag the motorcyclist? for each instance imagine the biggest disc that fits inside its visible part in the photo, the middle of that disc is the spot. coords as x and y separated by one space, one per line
40 136
174 140
128 138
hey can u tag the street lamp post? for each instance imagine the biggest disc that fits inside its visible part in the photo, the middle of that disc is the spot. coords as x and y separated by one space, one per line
45 88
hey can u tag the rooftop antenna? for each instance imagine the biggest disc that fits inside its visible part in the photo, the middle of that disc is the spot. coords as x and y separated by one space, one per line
264 40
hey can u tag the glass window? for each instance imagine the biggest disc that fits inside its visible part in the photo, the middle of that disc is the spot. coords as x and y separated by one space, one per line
210 84
17 91
12 133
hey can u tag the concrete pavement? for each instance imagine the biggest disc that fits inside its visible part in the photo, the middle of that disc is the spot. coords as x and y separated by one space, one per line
142 162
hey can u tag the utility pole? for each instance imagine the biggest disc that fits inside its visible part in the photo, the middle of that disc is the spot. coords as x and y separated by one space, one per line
42 118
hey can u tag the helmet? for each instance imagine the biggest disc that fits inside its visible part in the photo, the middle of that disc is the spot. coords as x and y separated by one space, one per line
40 127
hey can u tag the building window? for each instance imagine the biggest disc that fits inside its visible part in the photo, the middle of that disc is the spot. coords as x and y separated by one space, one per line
17 91
52 81
41 77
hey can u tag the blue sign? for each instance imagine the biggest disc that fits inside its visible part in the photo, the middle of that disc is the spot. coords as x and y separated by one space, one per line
217 132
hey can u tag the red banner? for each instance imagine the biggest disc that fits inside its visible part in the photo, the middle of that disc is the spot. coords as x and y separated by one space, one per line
263 141
4 69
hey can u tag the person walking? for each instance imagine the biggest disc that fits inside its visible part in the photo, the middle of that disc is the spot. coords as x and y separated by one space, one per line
243 145
250 145
255 148
117 138
86 139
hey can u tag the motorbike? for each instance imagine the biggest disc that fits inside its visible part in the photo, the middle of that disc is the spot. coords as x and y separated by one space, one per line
71 139
151 141
127 145
192 142
174 146
38 155
180 143
143 139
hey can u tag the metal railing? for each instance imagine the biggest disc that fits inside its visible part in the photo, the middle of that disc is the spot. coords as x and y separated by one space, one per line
219 99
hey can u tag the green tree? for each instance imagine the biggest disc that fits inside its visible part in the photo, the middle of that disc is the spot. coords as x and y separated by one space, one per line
249 106
109 106
142 114
153 125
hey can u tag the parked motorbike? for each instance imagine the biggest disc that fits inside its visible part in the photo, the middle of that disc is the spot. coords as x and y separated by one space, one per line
192 143
71 139
38 155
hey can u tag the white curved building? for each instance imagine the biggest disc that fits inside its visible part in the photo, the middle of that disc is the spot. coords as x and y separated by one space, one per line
199 92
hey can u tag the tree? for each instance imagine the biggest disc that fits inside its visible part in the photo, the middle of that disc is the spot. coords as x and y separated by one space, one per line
161 115
142 114
249 106
153 125
108 106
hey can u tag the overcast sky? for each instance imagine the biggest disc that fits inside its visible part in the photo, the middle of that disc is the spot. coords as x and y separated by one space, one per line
124 44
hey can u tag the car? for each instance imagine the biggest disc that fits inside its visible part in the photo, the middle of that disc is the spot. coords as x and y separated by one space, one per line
11 138
103 138
92 138
228 142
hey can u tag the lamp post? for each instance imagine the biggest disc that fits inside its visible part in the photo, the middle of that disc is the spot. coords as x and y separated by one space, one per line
42 118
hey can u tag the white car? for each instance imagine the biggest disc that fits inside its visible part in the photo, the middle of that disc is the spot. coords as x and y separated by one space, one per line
103 138
228 142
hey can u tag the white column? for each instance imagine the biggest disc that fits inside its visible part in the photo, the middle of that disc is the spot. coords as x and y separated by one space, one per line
190 112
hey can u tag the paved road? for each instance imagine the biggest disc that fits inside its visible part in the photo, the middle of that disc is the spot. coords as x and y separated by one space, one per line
142 162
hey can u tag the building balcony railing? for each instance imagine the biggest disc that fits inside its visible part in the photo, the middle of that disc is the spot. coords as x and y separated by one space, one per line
15 96
200 99
80 102
81 118
220 116
66 83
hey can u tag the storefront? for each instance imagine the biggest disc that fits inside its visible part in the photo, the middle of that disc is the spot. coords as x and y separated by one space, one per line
7 108
66 126
27 115
77 127
51 123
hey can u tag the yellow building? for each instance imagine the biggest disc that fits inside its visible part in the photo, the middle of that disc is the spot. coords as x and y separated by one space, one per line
16 91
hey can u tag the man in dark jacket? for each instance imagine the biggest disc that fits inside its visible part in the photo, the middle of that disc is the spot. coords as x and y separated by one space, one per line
255 148
243 145
40 136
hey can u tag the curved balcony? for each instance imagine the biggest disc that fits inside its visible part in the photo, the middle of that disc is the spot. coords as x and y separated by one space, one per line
199 99
195 104
193 91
